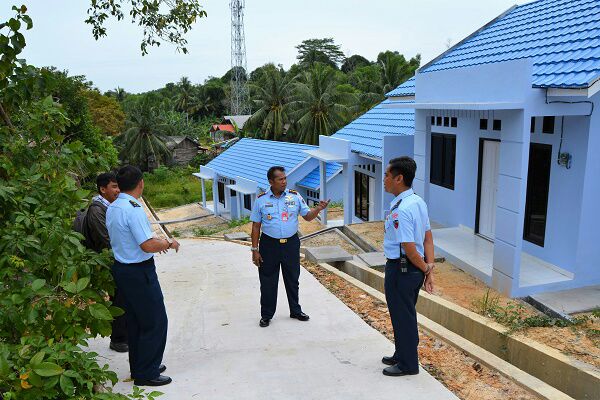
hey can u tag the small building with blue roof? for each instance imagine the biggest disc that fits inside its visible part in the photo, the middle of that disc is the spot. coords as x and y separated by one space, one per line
240 173
507 142
363 148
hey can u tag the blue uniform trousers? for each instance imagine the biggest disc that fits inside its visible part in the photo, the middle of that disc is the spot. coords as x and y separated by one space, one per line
146 316
401 294
276 254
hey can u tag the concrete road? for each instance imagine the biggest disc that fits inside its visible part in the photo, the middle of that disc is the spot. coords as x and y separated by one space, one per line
216 349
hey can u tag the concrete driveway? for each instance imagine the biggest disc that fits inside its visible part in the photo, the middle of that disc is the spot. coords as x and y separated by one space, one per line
216 349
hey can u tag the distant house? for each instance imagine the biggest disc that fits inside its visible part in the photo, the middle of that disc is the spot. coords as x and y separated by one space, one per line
183 149
222 132
228 127
240 173
507 142
363 149
237 120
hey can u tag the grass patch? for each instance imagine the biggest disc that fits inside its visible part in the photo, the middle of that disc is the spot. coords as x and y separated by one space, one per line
172 187
239 222
205 231
515 317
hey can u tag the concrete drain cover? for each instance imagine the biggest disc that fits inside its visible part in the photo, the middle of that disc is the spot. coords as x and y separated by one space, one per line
327 254
236 236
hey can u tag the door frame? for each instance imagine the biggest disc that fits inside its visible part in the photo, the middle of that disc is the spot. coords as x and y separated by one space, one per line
479 173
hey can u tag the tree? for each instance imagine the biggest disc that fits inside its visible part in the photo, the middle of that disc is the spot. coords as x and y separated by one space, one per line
271 95
353 62
317 107
118 94
395 69
106 112
144 139
323 51
161 20
185 99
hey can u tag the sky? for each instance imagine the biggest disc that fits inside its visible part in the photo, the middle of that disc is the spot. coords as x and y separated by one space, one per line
61 38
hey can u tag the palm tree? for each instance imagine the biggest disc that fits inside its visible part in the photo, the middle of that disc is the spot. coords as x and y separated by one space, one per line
271 97
143 138
317 107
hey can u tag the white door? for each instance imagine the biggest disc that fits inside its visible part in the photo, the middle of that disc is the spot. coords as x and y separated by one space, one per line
489 188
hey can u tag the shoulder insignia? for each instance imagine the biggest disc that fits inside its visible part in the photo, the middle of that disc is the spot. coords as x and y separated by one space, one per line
261 195
133 203
293 191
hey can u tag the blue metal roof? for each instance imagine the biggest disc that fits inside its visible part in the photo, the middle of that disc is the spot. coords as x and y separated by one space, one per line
561 36
313 179
252 158
367 131
406 89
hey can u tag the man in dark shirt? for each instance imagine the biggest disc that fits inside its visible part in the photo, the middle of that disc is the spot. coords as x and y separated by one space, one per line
96 238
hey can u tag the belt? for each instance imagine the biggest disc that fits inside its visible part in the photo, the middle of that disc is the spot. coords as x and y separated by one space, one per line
280 241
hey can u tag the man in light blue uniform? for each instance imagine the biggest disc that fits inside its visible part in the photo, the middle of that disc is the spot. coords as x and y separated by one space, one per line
133 243
276 213
408 247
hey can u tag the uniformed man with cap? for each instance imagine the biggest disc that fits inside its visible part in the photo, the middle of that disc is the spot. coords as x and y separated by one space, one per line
133 243
276 212
408 247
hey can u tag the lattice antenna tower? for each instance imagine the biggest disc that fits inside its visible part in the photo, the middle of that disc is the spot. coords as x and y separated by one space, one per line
240 99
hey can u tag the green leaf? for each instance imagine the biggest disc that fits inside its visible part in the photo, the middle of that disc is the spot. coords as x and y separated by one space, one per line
66 384
99 311
37 359
38 284
48 369
70 287
71 374
116 311
4 368
82 283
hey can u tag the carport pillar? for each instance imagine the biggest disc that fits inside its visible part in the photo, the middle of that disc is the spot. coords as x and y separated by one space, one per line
348 172
510 204
323 189
215 196
203 192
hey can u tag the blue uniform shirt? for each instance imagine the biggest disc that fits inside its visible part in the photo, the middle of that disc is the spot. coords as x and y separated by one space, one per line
279 216
128 228
407 222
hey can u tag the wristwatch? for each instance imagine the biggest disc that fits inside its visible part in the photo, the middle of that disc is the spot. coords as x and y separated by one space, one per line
253 248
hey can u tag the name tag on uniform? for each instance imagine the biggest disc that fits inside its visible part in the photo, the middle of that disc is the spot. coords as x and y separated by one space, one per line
284 216
269 205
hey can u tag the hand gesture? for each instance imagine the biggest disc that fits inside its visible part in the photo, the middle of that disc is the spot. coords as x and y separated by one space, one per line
257 258
175 245
323 204
428 285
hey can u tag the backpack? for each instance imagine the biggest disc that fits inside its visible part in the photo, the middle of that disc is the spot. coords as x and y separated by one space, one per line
79 221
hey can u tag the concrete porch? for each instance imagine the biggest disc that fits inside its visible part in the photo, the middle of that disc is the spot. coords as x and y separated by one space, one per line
474 255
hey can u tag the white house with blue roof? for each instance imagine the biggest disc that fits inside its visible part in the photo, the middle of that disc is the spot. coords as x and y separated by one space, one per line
240 173
363 148
507 141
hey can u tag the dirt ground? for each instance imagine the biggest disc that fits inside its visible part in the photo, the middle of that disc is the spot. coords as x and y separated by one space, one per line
467 291
186 229
188 210
331 238
335 213
461 374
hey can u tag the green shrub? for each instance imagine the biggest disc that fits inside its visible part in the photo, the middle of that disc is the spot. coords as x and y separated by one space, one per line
172 187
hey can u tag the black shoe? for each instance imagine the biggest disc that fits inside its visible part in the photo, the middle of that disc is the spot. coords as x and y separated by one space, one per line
264 322
300 317
119 347
396 371
389 361
162 368
160 380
